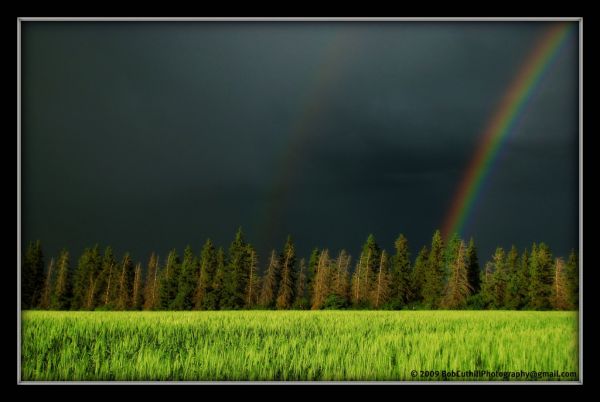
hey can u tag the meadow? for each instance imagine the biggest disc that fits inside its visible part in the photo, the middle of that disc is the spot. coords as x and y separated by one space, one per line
296 345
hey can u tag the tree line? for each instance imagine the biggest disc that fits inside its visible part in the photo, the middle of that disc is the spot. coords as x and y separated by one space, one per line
442 276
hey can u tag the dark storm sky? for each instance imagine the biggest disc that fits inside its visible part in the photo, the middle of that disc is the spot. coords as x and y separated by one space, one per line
148 136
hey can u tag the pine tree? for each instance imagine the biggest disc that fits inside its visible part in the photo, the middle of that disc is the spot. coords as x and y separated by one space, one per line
499 279
521 298
32 275
208 267
381 289
253 286
47 288
61 298
236 274
270 283
188 280
458 288
541 269
169 281
362 280
487 292
418 274
559 298
401 289
85 287
450 253
125 282
301 301
339 285
313 261
321 283
152 284
108 279
285 295
572 270
434 281
474 272
136 296
213 299
511 296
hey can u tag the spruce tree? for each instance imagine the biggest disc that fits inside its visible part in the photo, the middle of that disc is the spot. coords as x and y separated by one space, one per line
433 286
169 281
208 267
45 298
108 279
572 270
458 288
301 301
541 269
285 295
253 286
312 269
32 275
125 283
499 279
188 280
322 281
339 282
474 273
236 274
270 283
152 283
85 287
418 274
63 292
401 289
511 296
136 295
381 286
559 296
213 299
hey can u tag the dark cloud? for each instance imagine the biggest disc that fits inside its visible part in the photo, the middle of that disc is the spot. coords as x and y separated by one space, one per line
149 136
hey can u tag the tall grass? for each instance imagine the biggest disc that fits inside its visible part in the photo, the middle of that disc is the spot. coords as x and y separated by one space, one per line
293 345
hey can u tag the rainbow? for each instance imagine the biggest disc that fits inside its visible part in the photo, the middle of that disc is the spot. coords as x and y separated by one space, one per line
501 125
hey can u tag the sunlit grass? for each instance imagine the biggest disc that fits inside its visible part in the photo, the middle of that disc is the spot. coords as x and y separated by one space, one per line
293 345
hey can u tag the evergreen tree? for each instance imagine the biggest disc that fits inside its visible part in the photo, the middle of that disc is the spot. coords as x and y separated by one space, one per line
270 283
418 274
301 301
213 299
499 279
253 286
541 269
473 267
313 261
381 286
32 275
487 292
136 296
458 288
61 297
450 253
572 269
208 267
362 280
236 274
511 297
85 286
47 288
285 295
521 298
434 281
559 298
169 281
188 280
401 289
125 283
108 279
340 286
152 284
321 282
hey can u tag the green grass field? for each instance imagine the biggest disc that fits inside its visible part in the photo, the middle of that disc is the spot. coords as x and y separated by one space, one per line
295 345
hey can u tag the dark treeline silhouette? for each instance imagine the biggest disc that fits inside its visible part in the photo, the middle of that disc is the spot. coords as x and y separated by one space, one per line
442 276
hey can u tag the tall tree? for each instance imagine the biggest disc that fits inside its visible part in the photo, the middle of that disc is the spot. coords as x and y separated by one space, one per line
152 284
169 281
125 284
301 301
450 253
521 298
32 275
458 288
401 289
381 286
499 279
362 280
253 286
108 279
270 283
85 287
487 292
321 282
136 295
434 281
511 296
474 273
285 295
213 299
208 267
313 261
559 297
572 269
541 269
47 288
339 281
236 275
418 274
61 299
188 280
